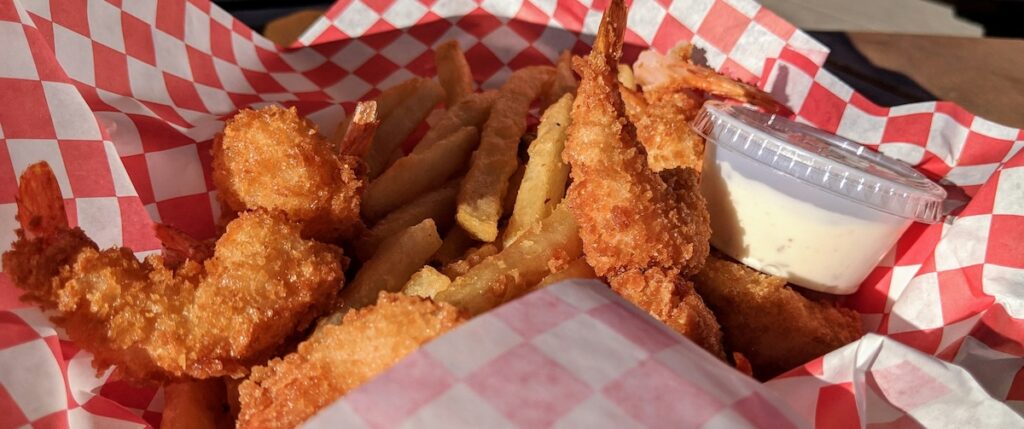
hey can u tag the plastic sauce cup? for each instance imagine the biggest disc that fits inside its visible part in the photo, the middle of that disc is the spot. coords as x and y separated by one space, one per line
793 201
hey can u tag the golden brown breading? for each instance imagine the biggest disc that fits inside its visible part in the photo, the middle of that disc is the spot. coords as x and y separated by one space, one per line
775 327
339 358
662 119
263 283
676 71
271 158
640 230
640 220
672 300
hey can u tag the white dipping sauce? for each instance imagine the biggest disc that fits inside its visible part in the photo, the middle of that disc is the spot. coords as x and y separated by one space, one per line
789 201
766 220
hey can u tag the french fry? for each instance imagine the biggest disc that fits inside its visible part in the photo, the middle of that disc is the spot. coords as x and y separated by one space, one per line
435 117
485 184
394 263
543 184
578 269
359 135
402 121
453 72
455 244
514 182
472 111
438 205
426 283
387 101
201 404
564 81
626 77
552 243
416 173
472 257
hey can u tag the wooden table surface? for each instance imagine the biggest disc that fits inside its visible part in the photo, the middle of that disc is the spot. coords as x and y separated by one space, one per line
984 75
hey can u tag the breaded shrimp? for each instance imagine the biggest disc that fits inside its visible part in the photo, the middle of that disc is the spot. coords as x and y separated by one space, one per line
339 357
271 158
771 324
676 71
179 246
674 89
639 231
662 119
263 283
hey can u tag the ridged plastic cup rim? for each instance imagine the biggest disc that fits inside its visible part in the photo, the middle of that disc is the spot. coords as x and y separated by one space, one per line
827 161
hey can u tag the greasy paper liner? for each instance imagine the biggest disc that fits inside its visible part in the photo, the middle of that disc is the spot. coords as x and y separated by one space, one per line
122 98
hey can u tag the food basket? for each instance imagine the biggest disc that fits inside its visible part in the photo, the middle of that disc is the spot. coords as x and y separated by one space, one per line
123 98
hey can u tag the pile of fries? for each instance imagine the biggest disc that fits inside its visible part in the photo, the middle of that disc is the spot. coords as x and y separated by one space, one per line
503 231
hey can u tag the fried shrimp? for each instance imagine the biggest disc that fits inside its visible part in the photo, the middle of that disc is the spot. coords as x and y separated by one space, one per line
771 324
200 320
271 158
339 357
662 119
640 231
674 89
676 71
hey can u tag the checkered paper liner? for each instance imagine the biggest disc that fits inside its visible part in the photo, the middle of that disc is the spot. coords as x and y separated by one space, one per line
122 98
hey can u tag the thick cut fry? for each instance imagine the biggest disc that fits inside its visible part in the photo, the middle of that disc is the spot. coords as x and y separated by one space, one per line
402 121
435 117
201 404
358 137
426 283
548 247
438 205
472 111
543 184
626 77
387 102
495 160
469 260
509 202
453 72
564 81
578 269
456 243
395 261
417 173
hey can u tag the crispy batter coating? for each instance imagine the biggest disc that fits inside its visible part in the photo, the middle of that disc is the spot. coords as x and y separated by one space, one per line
263 283
662 119
676 71
339 358
271 158
775 327
672 300
639 230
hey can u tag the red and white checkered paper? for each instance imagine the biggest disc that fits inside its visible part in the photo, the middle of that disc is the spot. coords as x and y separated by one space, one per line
123 98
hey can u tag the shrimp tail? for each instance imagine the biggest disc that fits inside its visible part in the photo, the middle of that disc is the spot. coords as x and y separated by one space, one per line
179 246
40 205
608 45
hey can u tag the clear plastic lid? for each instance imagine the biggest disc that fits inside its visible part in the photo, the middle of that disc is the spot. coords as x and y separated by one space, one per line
824 160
